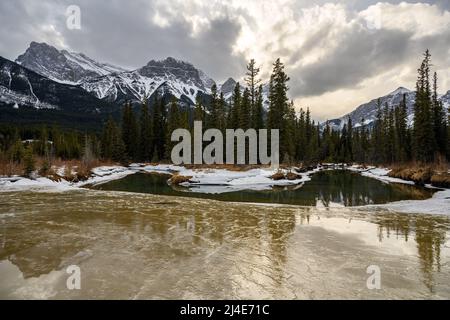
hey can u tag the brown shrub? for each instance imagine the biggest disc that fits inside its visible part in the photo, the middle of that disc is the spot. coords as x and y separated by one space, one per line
178 179
278 176
422 176
441 180
292 176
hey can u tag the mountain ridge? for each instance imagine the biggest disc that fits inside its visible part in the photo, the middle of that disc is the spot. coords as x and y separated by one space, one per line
368 110
113 83
168 77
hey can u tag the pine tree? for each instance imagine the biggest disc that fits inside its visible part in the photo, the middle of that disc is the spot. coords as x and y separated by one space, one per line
17 151
439 118
235 109
28 161
113 147
244 115
258 111
199 112
145 127
401 132
290 128
88 153
378 137
389 135
130 132
159 129
173 123
423 131
278 103
252 82
213 117
221 113
301 136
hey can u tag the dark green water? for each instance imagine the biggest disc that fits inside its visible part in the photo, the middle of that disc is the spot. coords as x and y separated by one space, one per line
326 187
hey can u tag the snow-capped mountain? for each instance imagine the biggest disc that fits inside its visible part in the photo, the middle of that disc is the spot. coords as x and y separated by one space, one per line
170 76
63 66
227 88
366 113
115 84
21 87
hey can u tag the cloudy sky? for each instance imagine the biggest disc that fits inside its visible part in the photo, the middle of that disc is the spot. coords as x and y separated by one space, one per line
338 54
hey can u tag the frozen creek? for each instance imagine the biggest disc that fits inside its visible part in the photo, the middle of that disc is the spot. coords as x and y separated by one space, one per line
144 246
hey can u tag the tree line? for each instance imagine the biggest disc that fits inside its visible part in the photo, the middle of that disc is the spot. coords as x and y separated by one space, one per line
143 135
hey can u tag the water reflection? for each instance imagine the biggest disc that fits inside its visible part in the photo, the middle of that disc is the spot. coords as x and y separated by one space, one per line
430 236
326 187
147 246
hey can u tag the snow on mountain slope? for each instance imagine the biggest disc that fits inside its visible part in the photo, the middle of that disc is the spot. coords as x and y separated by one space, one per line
179 78
63 66
114 84
368 111
227 88
20 86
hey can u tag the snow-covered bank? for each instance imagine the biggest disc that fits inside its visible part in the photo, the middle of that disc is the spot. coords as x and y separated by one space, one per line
222 180
16 183
438 204
203 180
211 181
380 174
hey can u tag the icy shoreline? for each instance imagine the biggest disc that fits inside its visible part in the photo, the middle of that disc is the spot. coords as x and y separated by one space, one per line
203 180
223 180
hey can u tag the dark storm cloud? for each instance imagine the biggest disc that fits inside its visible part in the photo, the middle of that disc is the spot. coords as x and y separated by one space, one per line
362 54
125 34
122 33
359 55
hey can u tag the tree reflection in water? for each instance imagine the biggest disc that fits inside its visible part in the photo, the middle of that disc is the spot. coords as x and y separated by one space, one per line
429 235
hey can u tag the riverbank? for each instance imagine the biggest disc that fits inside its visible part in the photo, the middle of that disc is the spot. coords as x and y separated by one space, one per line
217 180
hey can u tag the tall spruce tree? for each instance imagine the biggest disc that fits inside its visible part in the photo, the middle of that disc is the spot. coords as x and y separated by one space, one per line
145 143
174 121
159 129
235 108
130 132
423 130
252 82
244 114
258 111
440 121
278 103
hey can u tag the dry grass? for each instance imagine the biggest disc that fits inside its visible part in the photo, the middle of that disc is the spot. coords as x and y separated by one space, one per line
421 173
441 180
178 179
9 168
75 170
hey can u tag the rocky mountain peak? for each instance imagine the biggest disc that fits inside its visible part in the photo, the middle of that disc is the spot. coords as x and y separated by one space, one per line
400 90
61 65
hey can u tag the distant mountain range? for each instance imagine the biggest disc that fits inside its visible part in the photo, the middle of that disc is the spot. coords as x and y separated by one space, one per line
366 113
115 84
46 78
